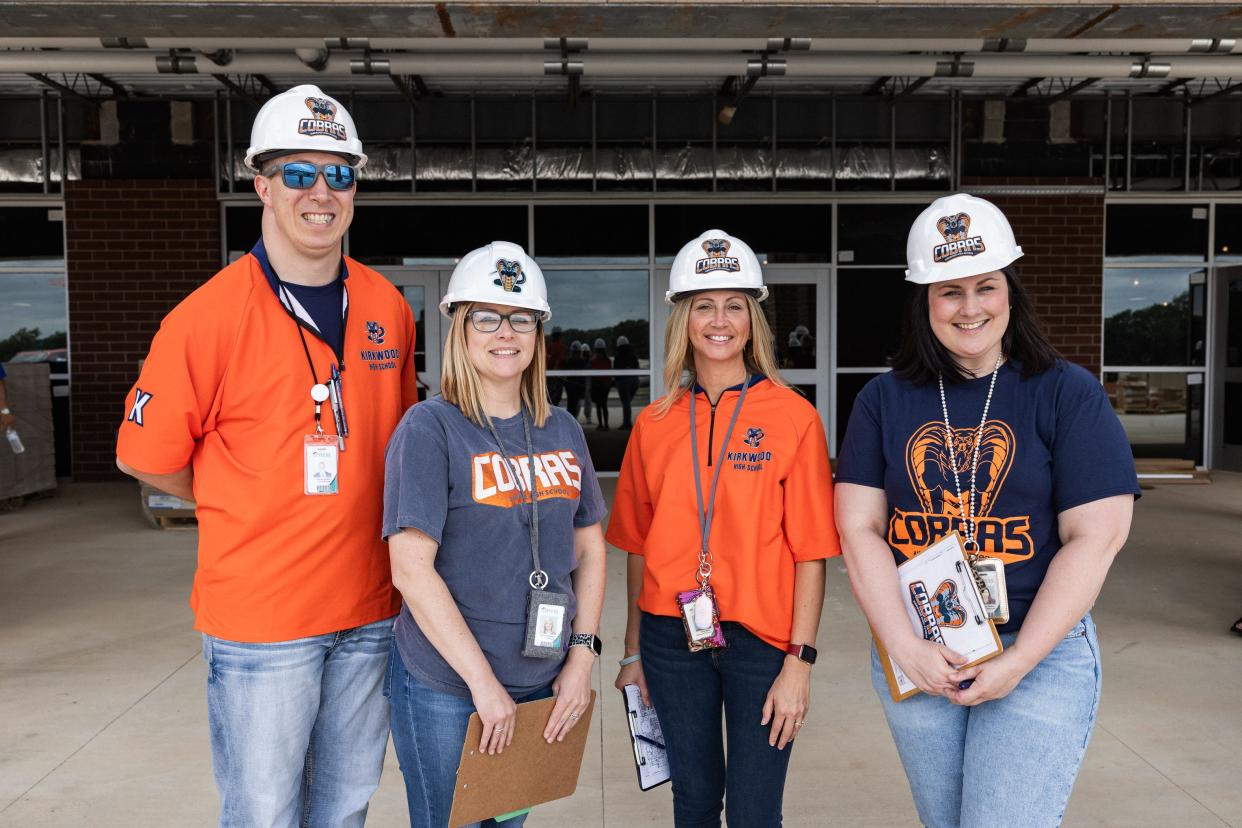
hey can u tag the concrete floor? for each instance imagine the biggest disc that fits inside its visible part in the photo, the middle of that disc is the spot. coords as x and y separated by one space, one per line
103 722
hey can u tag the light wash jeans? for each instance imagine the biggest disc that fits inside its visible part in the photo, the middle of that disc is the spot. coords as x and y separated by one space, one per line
1008 762
428 728
298 728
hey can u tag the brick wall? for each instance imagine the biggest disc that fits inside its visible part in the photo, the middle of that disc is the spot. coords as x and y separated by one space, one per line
134 250
1062 237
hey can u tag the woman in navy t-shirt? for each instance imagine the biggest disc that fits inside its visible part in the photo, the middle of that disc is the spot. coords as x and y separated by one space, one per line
982 428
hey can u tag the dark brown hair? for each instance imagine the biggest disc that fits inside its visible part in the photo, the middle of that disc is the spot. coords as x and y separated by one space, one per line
922 357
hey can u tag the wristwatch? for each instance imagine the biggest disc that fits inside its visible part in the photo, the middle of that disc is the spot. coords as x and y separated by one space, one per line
587 640
804 652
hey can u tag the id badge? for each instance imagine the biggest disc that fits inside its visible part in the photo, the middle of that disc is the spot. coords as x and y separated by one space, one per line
701 616
547 619
320 456
990 575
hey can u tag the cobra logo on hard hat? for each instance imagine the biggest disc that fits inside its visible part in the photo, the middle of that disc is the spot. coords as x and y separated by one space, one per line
957 239
510 277
323 120
718 258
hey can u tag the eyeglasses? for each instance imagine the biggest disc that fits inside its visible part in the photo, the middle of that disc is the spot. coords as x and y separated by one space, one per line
301 175
486 321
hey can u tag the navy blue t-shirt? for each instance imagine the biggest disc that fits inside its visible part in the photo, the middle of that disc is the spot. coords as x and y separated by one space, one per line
1051 442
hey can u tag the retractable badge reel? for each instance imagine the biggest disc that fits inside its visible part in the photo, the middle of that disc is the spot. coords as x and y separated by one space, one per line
320 452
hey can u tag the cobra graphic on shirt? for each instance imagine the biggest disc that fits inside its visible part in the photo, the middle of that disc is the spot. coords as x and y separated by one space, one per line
495 482
931 464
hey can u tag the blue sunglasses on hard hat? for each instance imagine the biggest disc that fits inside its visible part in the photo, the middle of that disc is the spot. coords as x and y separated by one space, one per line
301 175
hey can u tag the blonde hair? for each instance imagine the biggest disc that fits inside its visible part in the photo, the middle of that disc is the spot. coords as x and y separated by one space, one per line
758 353
460 383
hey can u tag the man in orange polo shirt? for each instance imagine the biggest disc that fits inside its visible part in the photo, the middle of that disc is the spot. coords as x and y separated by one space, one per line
268 397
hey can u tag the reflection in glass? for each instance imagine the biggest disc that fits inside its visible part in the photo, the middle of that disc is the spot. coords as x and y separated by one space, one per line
1228 232
593 308
1154 316
416 296
33 316
1162 413
1233 322
609 234
874 233
871 306
790 310
605 407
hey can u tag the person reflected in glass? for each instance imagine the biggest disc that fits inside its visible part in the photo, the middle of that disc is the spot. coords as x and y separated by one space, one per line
627 386
555 356
575 387
601 386
983 429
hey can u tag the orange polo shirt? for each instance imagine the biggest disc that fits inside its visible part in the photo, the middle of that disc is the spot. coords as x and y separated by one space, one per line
773 504
226 388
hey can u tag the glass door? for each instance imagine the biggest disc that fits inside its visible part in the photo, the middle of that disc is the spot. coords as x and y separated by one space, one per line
422 288
797 312
1227 393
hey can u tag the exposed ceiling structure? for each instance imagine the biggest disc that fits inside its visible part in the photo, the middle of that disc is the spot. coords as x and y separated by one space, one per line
105 50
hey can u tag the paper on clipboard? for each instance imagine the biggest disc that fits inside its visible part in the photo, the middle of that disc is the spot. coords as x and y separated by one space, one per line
943 604
650 757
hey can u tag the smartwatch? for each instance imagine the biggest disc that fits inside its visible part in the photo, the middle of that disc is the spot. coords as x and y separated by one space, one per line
587 640
804 652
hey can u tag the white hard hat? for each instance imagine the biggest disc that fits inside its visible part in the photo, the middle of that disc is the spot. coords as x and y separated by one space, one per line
600 343
500 273
959 236
715 261
304 119
622 340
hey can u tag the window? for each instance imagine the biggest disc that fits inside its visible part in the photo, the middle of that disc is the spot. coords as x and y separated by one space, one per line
776 232
1156 233
871 310
1154 316
427 234
611 234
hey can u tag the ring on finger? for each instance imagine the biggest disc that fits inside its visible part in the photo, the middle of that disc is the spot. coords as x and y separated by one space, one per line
799 723
575 716
499 729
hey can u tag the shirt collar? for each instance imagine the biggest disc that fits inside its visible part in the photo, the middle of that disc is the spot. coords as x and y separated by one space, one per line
754 380
273 281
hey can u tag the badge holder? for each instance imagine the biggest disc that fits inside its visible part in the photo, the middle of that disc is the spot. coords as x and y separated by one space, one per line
545 619
990 578
320 453
700 615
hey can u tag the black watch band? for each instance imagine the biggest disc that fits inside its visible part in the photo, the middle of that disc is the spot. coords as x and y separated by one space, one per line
587 640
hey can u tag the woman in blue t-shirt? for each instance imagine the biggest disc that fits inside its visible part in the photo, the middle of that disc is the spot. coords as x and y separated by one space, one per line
982 428
502 592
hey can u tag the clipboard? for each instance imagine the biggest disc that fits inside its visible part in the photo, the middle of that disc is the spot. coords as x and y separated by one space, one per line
528 773
943 604
647 739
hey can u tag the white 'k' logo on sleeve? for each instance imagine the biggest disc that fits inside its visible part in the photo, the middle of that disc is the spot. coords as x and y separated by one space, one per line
141 398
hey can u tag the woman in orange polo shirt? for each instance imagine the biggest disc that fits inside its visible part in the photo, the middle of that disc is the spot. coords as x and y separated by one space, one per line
725 506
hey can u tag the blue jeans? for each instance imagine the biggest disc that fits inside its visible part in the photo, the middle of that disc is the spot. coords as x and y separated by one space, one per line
298 728
428 729
689 691
1007 762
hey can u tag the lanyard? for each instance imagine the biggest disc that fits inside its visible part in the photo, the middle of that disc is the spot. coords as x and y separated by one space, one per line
538 578
706 515
287 301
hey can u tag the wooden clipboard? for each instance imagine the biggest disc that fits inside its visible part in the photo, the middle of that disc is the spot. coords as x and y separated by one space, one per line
529 772
945 563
